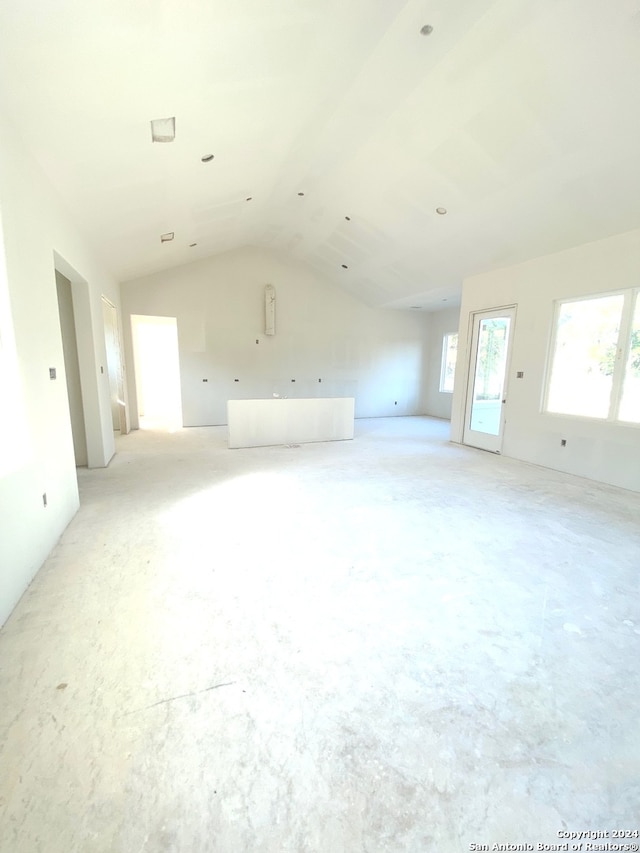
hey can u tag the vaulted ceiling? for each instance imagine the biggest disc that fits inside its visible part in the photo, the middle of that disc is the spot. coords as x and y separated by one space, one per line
343 123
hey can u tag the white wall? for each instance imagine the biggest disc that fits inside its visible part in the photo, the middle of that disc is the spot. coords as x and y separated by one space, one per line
39 235
377 356
595 449
439 323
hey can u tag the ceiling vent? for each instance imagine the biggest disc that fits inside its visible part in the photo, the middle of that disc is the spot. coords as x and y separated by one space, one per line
163 129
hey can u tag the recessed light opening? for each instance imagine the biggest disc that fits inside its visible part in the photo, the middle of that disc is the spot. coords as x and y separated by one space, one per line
163 129
207 158
441 210
167 238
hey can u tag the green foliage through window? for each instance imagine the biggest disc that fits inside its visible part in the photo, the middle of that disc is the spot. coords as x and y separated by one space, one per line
590 375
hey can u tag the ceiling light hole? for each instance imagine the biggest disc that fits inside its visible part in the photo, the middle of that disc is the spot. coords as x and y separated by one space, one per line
207 158
441 210
426 30
163 129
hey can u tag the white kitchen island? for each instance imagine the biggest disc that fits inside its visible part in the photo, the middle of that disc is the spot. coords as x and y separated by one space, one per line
257 423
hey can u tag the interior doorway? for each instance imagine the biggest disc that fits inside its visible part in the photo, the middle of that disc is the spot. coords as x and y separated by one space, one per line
114 366
488 373
72 368
157 371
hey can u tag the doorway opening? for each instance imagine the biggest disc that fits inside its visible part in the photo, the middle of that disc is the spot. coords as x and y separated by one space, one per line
72 369
488 373
157 371
114 366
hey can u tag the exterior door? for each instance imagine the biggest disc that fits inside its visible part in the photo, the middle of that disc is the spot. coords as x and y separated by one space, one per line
488 372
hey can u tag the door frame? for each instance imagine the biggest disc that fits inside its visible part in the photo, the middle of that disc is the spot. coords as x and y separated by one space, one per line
115 372
474 438
71 360
155 320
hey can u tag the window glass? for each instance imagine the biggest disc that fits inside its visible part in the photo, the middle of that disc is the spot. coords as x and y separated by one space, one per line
584 356
630 400
449 355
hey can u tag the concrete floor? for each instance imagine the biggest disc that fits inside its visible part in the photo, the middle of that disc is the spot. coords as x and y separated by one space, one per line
391 644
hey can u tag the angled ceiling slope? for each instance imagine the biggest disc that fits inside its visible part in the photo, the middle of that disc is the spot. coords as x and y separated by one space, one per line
337 130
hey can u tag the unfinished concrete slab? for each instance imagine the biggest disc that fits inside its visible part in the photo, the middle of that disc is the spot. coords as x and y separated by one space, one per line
394 644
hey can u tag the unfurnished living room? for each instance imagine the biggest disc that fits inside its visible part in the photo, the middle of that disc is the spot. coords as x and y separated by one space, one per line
320 435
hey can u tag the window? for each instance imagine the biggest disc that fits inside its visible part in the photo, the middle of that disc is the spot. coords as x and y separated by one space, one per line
630 398
595 367
449 355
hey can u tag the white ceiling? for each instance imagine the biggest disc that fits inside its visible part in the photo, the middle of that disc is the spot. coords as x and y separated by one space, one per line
521 117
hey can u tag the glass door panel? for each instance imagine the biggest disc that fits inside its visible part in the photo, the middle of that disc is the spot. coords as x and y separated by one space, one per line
486 395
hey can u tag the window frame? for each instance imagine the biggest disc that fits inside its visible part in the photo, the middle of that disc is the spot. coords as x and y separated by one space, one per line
631 297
